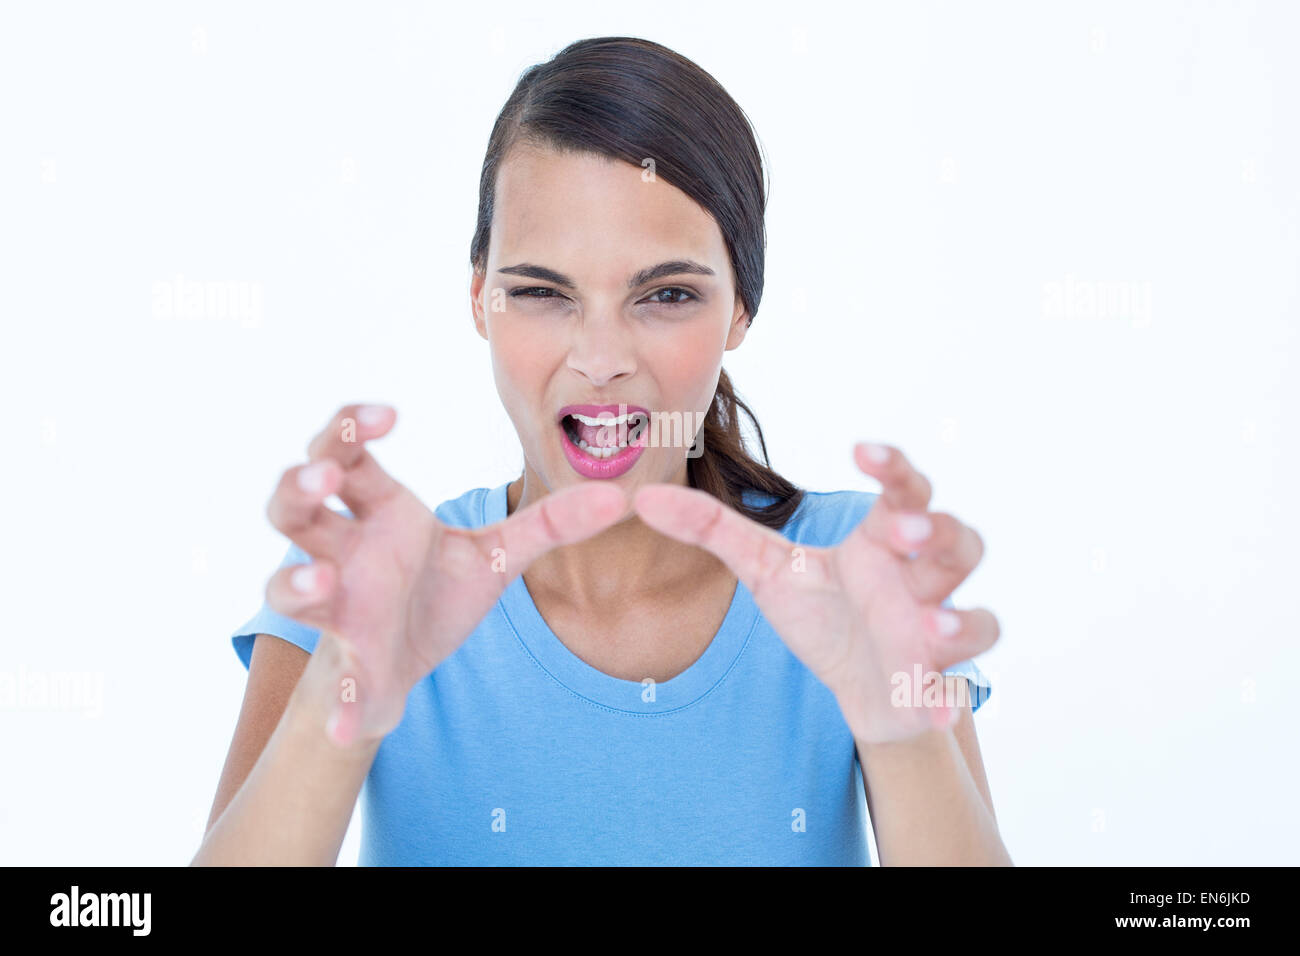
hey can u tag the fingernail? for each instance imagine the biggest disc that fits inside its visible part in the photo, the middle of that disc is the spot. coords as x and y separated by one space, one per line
947 623
877 453
914 527
371 414
312 478
304 579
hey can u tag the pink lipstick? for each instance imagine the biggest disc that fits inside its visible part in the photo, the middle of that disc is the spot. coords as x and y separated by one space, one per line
598 439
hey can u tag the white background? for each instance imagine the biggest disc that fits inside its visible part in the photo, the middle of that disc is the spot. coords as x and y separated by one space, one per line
938 173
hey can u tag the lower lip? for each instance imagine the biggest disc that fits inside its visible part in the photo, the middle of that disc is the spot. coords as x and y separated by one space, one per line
610 467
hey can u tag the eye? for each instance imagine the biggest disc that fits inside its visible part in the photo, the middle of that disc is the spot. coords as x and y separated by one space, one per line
690 296
527 293
546 292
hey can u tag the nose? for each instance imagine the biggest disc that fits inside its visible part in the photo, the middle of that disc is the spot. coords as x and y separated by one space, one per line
602 348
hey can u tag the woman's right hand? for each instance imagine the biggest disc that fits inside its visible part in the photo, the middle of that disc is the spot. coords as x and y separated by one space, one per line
393 590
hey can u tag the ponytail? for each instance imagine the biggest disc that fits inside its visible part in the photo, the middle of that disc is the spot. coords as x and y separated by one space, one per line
726 468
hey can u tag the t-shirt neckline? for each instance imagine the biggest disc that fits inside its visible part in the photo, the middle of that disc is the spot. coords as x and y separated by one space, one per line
633 697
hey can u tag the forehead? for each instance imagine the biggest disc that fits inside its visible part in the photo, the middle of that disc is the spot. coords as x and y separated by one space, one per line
593 209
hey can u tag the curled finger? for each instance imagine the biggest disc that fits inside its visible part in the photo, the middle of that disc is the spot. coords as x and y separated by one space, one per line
297 509
955 636
305 593
365 485
942 558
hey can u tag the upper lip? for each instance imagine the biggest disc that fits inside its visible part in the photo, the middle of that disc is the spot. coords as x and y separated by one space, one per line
595 411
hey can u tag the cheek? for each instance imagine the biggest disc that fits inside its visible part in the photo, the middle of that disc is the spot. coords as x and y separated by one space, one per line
686 368
521 368
521 348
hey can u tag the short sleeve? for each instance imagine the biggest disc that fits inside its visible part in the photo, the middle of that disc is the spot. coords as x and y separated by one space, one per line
976 682
267 621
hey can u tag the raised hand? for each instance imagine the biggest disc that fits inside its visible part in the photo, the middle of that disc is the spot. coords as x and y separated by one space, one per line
393 590
862 614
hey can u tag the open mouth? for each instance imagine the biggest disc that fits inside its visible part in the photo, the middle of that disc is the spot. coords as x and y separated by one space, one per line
598 441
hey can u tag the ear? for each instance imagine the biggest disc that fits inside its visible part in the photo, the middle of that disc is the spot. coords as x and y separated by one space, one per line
739 325
476 284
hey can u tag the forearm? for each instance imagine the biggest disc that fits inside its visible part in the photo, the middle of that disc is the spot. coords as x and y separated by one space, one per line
295 805
925 807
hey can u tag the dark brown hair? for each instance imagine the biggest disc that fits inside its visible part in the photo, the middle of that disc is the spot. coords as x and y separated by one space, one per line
634 99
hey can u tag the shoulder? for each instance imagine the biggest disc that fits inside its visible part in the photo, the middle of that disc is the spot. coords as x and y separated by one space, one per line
824 518
467 510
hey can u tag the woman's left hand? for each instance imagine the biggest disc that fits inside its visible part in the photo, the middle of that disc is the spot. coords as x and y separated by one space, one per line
863 616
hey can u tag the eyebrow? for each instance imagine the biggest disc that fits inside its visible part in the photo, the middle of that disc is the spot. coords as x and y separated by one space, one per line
670 268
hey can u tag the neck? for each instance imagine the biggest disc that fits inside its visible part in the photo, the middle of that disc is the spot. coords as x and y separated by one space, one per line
626 560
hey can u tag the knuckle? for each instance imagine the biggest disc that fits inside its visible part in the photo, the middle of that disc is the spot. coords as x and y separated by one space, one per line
947 530
348 415
898 466
327 436
455 554
768 562
280 509
275 509
491 552
549 527
275 591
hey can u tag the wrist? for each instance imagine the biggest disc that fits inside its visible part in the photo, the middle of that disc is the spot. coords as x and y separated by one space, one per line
876 719
318 687
925 744
336 687
328 683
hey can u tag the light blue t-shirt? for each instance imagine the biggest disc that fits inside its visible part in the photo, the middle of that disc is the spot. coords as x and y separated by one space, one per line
514 751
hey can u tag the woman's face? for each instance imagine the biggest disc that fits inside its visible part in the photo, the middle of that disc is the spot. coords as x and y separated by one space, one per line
569 321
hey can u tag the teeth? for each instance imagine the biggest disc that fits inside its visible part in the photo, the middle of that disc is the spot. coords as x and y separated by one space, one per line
591 450
605 421
599 452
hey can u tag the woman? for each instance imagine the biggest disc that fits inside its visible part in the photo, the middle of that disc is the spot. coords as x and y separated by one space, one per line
649 647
